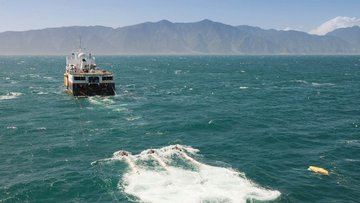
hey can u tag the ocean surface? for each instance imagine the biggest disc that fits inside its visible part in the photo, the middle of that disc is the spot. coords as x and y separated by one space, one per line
195 129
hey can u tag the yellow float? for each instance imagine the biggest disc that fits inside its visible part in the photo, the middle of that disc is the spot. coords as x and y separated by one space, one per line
319 170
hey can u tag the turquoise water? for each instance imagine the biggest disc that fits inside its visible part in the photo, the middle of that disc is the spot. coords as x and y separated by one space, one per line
258 122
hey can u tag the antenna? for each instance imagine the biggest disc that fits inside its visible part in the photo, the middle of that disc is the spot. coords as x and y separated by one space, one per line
80 42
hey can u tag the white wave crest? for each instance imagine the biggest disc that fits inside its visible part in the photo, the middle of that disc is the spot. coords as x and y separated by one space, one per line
177 177
313 83
300 81
133 118
322 84
10 95
48 78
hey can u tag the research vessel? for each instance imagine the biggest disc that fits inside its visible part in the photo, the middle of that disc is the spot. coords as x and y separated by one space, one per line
83 78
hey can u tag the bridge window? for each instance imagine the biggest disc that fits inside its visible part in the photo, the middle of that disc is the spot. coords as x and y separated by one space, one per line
107 78
93 79
79 78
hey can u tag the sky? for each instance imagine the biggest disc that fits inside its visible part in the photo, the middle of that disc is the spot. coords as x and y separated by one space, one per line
302 15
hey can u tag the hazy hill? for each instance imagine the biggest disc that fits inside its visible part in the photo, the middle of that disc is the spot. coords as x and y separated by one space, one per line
350 35
164 37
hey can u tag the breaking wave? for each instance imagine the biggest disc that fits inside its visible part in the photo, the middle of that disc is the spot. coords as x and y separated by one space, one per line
170 174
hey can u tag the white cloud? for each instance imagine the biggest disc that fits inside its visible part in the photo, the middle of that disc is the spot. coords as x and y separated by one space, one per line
288 29
335 23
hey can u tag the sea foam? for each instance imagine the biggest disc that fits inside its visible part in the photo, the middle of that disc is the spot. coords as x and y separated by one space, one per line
177 177
10 95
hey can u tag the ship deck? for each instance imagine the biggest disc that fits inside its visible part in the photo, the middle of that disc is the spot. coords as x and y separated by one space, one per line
92 72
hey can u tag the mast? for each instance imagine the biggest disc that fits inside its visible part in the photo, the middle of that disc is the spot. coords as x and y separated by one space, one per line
80 42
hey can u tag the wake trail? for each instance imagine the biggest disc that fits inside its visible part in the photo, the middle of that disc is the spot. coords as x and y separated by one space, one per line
177 182
153 154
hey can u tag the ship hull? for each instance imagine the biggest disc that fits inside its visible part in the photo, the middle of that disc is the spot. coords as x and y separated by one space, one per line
103 89
87 87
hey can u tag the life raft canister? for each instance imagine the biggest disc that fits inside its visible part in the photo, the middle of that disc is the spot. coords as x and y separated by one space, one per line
319 170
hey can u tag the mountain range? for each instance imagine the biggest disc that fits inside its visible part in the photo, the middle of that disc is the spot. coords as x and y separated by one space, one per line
164 37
